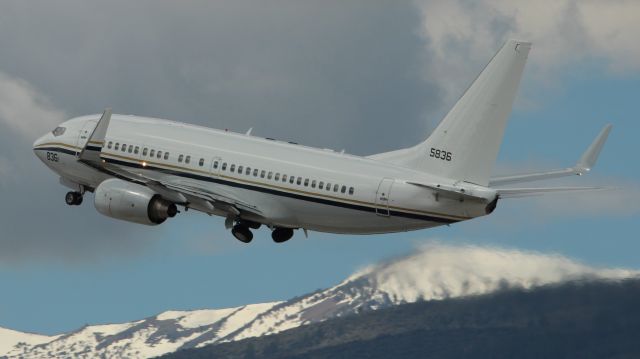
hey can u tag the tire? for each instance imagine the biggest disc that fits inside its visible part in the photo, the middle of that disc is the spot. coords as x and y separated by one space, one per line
281 235
73 198
242 233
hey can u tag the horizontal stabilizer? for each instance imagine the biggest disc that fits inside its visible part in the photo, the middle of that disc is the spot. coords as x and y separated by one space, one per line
530 192
584 165
472 192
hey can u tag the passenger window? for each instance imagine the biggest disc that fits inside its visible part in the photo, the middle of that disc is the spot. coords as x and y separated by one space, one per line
136 150
233 168
284 178
277 177
335 187
180 158
109 145
151 154
343 189
215 165
313 184
291 179
351 190
201 163
321 185
255 172
262 173
124 147
130 148
248 171
145 151
117 147
240 168
270 175
224 166
306 182
328 186
166 155
159 155
299 181
187 160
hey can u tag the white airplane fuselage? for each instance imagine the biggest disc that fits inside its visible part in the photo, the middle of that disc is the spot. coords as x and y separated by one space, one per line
365 195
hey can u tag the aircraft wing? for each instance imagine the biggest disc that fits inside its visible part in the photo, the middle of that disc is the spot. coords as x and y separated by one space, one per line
583 166
185 192
530 192
91 149
179 191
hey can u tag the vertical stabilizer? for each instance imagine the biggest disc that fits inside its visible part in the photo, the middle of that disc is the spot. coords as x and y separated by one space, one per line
465 144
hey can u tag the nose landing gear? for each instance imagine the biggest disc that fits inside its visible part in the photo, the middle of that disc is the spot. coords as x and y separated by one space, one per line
73 198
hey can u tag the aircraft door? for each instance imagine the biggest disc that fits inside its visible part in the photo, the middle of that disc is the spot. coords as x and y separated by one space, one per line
85 133
383 196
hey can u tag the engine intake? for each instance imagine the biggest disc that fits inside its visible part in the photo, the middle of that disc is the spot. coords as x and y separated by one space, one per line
131 202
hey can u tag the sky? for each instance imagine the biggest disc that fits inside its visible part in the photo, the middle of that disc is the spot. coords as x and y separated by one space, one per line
364 76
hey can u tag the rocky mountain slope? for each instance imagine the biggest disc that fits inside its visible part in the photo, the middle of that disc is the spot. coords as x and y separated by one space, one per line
435 272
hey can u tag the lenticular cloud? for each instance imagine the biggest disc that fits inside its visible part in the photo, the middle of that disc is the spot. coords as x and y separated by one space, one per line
438 271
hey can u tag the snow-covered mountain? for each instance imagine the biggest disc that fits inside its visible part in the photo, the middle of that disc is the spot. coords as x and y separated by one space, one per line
435 272
10 339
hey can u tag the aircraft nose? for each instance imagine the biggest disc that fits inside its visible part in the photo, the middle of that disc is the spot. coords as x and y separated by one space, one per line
39 141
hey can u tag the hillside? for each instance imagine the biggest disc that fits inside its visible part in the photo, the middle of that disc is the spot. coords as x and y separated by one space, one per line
583 319
435 272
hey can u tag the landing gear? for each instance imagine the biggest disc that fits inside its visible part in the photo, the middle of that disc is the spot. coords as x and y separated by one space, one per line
250 224
281 235
73 198
242 233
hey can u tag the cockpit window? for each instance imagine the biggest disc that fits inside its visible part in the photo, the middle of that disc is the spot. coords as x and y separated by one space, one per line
59 131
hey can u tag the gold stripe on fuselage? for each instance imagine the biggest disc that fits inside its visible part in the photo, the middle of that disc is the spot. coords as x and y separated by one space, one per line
285 189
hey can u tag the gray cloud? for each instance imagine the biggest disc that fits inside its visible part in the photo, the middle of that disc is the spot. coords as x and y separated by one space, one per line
329 74
309 71
361 75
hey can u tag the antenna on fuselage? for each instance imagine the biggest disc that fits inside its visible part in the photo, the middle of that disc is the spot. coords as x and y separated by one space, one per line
249 132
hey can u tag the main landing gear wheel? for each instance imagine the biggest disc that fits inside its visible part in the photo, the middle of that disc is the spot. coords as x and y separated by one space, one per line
73 198
242 233
281 235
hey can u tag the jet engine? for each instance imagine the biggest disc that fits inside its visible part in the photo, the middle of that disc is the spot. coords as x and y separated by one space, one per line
131 202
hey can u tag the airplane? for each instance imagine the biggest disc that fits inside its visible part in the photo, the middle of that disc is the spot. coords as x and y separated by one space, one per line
141 169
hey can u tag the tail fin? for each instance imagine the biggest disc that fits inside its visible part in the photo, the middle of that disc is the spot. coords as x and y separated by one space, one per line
465 144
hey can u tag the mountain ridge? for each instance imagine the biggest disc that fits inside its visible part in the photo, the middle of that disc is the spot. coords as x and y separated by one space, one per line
435 272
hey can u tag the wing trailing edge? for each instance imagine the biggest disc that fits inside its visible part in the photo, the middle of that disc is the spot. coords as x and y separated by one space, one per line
586 162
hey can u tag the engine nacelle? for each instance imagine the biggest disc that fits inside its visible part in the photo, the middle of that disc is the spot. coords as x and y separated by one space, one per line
131 202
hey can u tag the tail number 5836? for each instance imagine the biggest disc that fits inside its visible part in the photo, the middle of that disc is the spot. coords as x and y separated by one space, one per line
440 154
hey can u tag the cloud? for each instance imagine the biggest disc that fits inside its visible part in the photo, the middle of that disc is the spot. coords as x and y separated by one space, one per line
564 33
24 109
438 271
329 74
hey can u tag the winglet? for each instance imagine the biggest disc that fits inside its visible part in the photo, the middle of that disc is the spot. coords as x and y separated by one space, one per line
588 159
96 140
